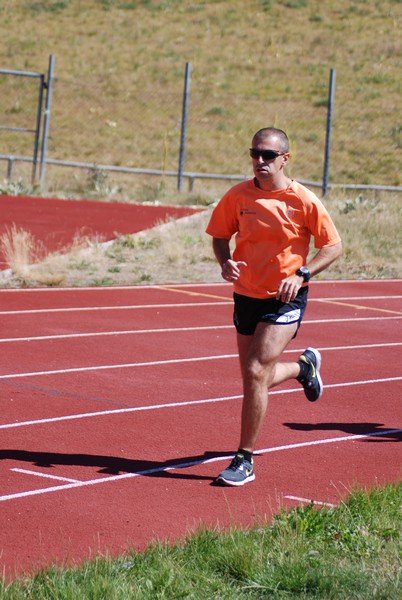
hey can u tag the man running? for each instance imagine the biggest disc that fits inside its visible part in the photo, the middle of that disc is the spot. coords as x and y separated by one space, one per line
272 218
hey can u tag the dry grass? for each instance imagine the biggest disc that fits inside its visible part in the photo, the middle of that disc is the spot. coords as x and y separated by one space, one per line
19 248
31 264
22 253
119 81
171 252
372 232
180 251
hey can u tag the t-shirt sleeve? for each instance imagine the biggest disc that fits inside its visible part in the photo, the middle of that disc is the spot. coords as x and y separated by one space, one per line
223 223
321 224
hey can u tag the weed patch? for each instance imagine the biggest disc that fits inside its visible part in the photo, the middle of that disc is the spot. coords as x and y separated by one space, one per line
298 555
180 251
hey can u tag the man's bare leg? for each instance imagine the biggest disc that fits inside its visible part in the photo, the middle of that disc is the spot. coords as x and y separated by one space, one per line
259 361
261 369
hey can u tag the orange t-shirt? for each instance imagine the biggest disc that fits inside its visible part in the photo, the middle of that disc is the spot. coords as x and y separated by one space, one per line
272 230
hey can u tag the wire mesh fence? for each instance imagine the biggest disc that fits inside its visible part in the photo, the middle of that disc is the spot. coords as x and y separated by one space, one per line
99 121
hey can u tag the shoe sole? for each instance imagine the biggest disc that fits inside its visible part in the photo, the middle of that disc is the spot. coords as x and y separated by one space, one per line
249 479
317 369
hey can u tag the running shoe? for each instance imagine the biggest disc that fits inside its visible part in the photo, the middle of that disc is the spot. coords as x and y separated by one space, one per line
310 377
239 472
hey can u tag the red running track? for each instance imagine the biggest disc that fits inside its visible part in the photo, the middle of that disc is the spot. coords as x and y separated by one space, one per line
56 222
119 406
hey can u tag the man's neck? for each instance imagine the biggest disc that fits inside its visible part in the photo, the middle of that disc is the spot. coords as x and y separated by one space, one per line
270 185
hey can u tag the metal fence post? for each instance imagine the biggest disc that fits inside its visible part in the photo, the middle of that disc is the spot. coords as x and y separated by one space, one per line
329 131
49 89
38 124
10 168
184 125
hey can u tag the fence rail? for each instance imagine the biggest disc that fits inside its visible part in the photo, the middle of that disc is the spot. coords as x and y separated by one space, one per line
43 85
148 128
190 176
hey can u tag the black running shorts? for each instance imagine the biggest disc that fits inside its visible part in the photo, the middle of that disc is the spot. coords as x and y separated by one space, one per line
248 312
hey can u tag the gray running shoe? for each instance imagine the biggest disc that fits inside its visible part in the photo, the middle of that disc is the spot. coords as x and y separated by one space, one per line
311 382
239 472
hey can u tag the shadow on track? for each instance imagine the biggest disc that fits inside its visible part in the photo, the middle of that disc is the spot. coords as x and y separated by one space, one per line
375 432
113 465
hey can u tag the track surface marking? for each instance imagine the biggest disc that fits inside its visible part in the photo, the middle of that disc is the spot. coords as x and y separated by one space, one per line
120 406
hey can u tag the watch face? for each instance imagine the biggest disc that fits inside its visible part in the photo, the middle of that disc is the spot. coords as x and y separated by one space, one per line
304 272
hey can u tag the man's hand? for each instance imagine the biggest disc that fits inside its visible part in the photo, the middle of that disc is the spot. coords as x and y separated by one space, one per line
231 269
288 288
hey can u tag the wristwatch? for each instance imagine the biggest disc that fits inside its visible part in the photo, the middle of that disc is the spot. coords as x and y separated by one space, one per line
305 273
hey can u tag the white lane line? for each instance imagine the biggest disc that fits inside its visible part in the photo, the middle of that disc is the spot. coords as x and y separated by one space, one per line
133 288
316 282
67 336
340 298
46 475
311 501
184 465
346 438
126 332
176 361
125 307
119 411
222 302
119 366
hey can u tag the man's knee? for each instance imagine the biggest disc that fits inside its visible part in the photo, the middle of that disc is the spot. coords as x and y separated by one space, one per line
258 372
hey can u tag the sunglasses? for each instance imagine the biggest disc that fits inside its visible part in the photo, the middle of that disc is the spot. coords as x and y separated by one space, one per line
265 154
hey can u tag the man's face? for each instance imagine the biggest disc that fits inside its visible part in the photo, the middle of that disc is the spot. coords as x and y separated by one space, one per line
265 166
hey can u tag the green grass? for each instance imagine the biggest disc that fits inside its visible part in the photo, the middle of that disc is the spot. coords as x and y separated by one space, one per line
119 82
349 552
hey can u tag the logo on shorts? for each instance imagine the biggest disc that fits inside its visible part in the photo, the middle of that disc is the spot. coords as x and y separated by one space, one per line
289 317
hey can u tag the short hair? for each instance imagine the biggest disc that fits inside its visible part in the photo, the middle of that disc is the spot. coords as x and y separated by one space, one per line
274 132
